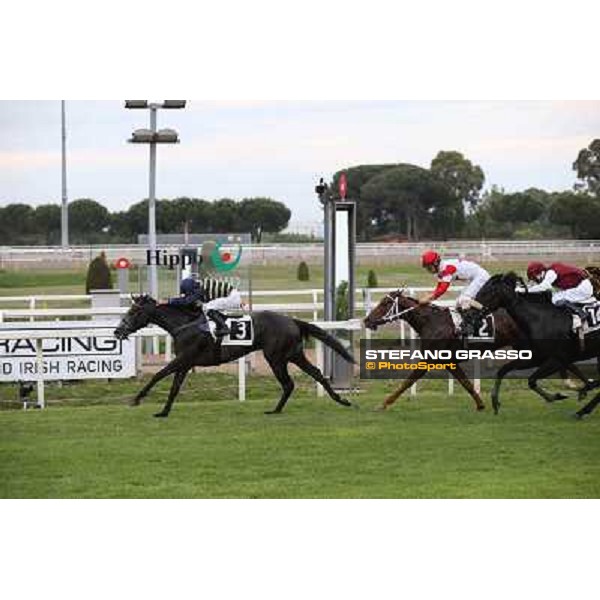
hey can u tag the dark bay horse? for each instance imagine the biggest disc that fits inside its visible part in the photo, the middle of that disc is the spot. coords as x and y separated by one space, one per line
279 337
435 327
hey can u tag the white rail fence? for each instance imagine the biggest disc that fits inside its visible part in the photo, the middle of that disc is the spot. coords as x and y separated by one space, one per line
281 253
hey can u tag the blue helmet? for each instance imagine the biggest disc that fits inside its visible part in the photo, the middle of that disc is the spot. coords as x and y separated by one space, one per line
189 286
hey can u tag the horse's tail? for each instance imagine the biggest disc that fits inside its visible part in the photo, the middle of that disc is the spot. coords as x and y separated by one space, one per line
308 330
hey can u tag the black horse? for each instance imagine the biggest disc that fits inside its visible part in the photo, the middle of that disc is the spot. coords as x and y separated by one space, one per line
548 328
436 329
278 336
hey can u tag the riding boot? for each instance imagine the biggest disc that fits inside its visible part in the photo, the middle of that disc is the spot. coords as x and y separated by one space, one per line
579 312
574 308
220 319
472 322
201 323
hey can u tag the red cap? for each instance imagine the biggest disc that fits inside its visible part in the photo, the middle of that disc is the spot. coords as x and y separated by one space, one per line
535 269
429 258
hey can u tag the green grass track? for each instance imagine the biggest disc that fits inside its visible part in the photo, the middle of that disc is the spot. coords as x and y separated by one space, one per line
89 444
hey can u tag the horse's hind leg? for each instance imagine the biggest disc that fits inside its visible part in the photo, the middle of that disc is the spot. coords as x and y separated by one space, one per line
175 387
281 372
303 363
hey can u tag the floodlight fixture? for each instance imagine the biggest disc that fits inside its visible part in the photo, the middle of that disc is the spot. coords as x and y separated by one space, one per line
136 103
173 104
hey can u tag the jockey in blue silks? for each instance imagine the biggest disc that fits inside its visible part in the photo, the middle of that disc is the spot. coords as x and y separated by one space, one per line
193 295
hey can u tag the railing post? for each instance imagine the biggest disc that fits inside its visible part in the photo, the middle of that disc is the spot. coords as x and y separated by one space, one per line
242 379
319 359
39 356
168 348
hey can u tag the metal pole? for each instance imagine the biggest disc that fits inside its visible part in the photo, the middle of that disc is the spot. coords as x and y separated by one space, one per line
64 224
329 277
152 268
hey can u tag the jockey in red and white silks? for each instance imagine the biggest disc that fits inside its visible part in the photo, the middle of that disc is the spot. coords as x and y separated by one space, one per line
454 269
572 283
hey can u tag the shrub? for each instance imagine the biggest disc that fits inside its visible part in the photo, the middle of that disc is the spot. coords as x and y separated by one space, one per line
303 272
98 275
341 302
372 279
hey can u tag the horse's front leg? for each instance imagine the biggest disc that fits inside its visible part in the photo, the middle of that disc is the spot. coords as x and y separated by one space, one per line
175 387
412 378
513 365
173 366
552 365
462 378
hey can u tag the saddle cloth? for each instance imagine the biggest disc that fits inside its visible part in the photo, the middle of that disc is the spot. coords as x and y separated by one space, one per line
592 318
486 331
242 331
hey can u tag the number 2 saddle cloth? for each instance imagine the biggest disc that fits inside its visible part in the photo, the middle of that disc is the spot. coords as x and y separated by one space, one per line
486 332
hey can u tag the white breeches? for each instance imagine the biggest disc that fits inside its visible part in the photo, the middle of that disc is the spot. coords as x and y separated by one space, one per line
464 300
231 302
584 292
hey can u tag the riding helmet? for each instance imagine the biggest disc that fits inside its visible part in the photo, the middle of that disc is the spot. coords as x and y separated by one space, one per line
189 286
535 269
430 258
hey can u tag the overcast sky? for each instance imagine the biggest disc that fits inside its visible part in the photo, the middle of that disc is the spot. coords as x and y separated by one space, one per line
280 149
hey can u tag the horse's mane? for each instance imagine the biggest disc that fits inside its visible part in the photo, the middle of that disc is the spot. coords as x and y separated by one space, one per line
143 299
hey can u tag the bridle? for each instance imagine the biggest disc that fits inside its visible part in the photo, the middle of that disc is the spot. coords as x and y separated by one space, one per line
394 311
126 326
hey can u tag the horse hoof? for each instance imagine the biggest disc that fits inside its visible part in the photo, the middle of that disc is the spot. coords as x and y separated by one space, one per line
344 402
577 416
161 415
559 396
482 407
272 412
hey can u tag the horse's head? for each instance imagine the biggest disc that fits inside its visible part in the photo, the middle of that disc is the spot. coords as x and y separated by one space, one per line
388 309
498 291
137 316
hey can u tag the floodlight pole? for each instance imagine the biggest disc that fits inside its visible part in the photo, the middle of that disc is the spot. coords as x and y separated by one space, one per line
153 138
64 218
153 272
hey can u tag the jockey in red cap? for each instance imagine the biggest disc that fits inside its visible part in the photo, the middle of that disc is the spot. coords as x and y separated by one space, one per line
452 269
572 283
